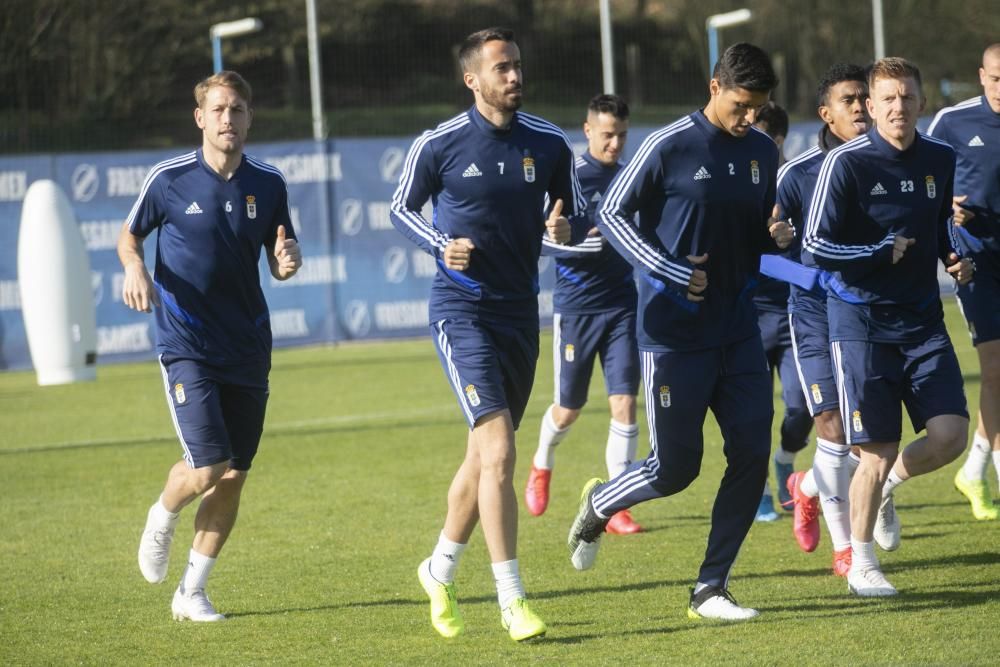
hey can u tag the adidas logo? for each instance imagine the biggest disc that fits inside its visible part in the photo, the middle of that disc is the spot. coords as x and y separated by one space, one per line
702 173
596 197
471 170
879 190
976 141
193 209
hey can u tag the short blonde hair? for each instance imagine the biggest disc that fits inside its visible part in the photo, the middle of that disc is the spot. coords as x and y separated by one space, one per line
226 78
893 68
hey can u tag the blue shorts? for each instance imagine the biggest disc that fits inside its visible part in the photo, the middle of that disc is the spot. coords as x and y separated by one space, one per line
980 299
490 366
811 346
733 381
218 411
876 378
579 339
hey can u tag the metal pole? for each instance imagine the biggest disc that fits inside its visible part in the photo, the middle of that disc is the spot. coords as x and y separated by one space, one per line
879 29
607 49
315 73
713 49
217 53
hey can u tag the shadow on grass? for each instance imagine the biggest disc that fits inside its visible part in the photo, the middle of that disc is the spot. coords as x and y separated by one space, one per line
980 558
924 506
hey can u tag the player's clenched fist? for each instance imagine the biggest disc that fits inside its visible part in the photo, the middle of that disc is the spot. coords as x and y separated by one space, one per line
961 269
699 279
458 253
781 231
899 245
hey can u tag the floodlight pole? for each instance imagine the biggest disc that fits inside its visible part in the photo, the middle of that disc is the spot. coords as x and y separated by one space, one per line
607 49
716 22
315 72
230 29
878 29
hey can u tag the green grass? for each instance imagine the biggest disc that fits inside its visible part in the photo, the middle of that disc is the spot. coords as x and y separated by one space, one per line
348 495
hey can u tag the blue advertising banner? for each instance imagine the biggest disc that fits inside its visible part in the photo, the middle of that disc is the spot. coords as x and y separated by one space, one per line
360 278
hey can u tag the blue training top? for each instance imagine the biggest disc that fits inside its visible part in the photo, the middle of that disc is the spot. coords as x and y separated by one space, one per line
867 192
591 277
697 189
972 128
488 185
211 232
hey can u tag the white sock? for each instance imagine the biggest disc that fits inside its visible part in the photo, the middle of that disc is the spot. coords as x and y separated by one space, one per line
974 468
996 461
508 579
767 488
781 456
891 483
623 439
548 437
196 575
832 470
808 484
863 555
163 516
444 560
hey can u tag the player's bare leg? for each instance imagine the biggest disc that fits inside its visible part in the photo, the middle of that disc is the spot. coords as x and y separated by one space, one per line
865 577
213 524
183 485
970 480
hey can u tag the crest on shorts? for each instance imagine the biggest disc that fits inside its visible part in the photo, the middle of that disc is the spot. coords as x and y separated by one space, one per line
816 393
179 393
856 421
754 172
529 169
472 394
931 189
251 207
664 396
569 352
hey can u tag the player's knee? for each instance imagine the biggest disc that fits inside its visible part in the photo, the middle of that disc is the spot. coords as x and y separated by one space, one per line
829 426
676 474
950 434
204 478
749 442
498 462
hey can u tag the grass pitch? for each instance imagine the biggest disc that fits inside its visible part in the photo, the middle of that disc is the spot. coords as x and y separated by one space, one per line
347 496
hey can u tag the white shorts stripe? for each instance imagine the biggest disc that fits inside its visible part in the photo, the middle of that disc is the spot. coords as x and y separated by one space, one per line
173 414
838 372
556 357
798 368
456 382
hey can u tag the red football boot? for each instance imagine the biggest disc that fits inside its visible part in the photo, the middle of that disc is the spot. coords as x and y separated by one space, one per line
805 525
536 496
842 562
622 523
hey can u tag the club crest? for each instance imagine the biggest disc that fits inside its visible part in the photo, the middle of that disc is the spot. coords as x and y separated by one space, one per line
251 207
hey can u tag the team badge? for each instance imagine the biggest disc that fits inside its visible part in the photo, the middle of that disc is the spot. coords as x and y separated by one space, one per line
472 394
816 393
664 396
251 207
179 393
754 172
569 352
856 421
931 189
529 169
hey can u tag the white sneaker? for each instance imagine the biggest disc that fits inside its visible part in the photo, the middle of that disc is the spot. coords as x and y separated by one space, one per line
716 602
195 606
154 547
869 583
887 528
